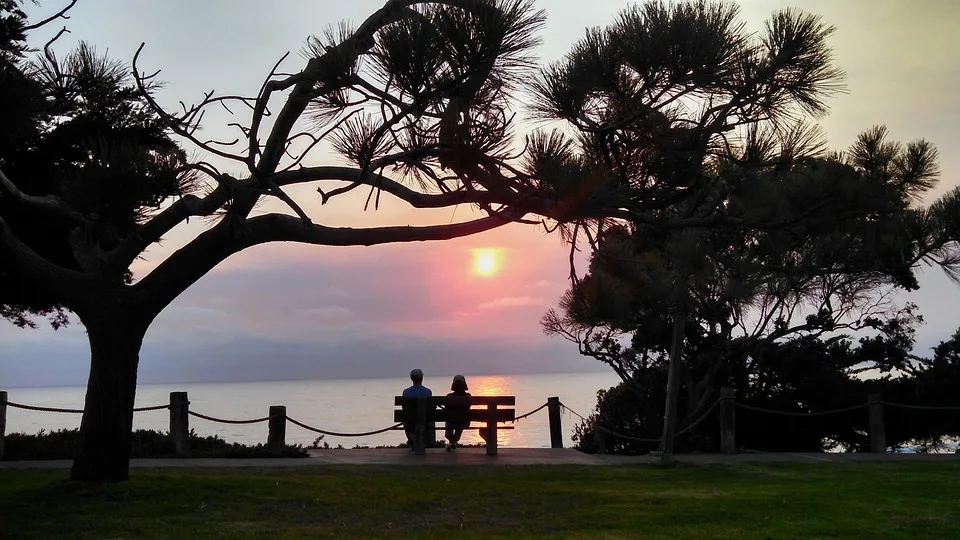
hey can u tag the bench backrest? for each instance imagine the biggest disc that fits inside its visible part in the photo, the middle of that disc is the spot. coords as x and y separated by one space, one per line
444 408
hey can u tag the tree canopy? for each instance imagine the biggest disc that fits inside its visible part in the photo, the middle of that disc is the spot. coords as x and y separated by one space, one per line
741 229
416 98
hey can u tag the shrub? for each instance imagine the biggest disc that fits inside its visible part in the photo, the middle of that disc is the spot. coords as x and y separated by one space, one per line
146 443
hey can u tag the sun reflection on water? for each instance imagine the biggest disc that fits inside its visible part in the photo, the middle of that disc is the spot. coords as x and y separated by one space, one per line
490 385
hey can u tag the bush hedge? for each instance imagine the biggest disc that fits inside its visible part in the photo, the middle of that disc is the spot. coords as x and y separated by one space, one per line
146 443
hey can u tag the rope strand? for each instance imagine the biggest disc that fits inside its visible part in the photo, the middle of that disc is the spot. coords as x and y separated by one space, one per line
627 437
43 409
701 419
794 413
573 411
154 408
71 411
658 439
522 416
225 421
922 407
336 434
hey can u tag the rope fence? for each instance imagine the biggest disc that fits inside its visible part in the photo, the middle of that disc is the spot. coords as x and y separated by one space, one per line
575 413
798 413
598 427
154 408
687 428
180 412
226 421
179 408
727 403
522 416
337 434
921 407
40 409
698 420
71 411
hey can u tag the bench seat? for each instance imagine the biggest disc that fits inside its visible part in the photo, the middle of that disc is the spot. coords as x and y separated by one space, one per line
427 411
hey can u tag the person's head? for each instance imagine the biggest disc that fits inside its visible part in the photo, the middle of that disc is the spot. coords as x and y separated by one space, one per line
459 383
416 376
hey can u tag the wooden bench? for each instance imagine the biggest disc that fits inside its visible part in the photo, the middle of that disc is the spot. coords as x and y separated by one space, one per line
433 411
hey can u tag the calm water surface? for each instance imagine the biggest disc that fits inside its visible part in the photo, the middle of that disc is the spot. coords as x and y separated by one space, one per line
346 405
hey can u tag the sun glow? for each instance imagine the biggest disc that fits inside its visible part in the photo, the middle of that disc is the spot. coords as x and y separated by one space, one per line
486 261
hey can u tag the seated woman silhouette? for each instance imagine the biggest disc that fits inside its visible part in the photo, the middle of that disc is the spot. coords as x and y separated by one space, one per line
459 418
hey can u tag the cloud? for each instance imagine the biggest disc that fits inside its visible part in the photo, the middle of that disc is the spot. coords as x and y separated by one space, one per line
327 315
511 302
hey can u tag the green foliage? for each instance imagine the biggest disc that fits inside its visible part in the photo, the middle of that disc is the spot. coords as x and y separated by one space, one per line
61 444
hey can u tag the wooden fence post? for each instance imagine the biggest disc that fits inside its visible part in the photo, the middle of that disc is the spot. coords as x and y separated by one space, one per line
556 433
276 436
180 423
878 430
728 427
3 420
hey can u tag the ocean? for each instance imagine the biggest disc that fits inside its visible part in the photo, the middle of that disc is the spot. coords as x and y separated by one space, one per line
341 405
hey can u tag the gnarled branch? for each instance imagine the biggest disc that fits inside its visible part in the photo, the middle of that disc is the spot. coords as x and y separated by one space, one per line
47 204
59 14
210 248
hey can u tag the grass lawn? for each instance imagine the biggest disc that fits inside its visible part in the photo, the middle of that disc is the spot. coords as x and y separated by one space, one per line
775 501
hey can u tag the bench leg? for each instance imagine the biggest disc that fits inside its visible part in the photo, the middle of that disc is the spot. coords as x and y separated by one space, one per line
421 443
492 431
420 447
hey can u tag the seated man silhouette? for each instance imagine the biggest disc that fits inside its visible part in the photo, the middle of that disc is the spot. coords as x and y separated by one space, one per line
415 391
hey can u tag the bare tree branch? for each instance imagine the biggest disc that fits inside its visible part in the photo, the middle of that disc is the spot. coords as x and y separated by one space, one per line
174 123
152 231
414 198
210 248
259 111
319 138
346 52
59 14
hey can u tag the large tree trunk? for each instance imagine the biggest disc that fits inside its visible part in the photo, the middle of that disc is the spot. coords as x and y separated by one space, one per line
105 431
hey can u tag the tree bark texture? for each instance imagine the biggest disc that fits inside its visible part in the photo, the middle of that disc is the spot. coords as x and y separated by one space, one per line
103 454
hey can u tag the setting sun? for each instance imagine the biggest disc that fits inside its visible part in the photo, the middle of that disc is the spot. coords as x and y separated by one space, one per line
486 261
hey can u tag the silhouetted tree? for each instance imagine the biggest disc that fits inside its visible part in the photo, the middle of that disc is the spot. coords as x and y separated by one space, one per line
701 127
91 178
830 270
